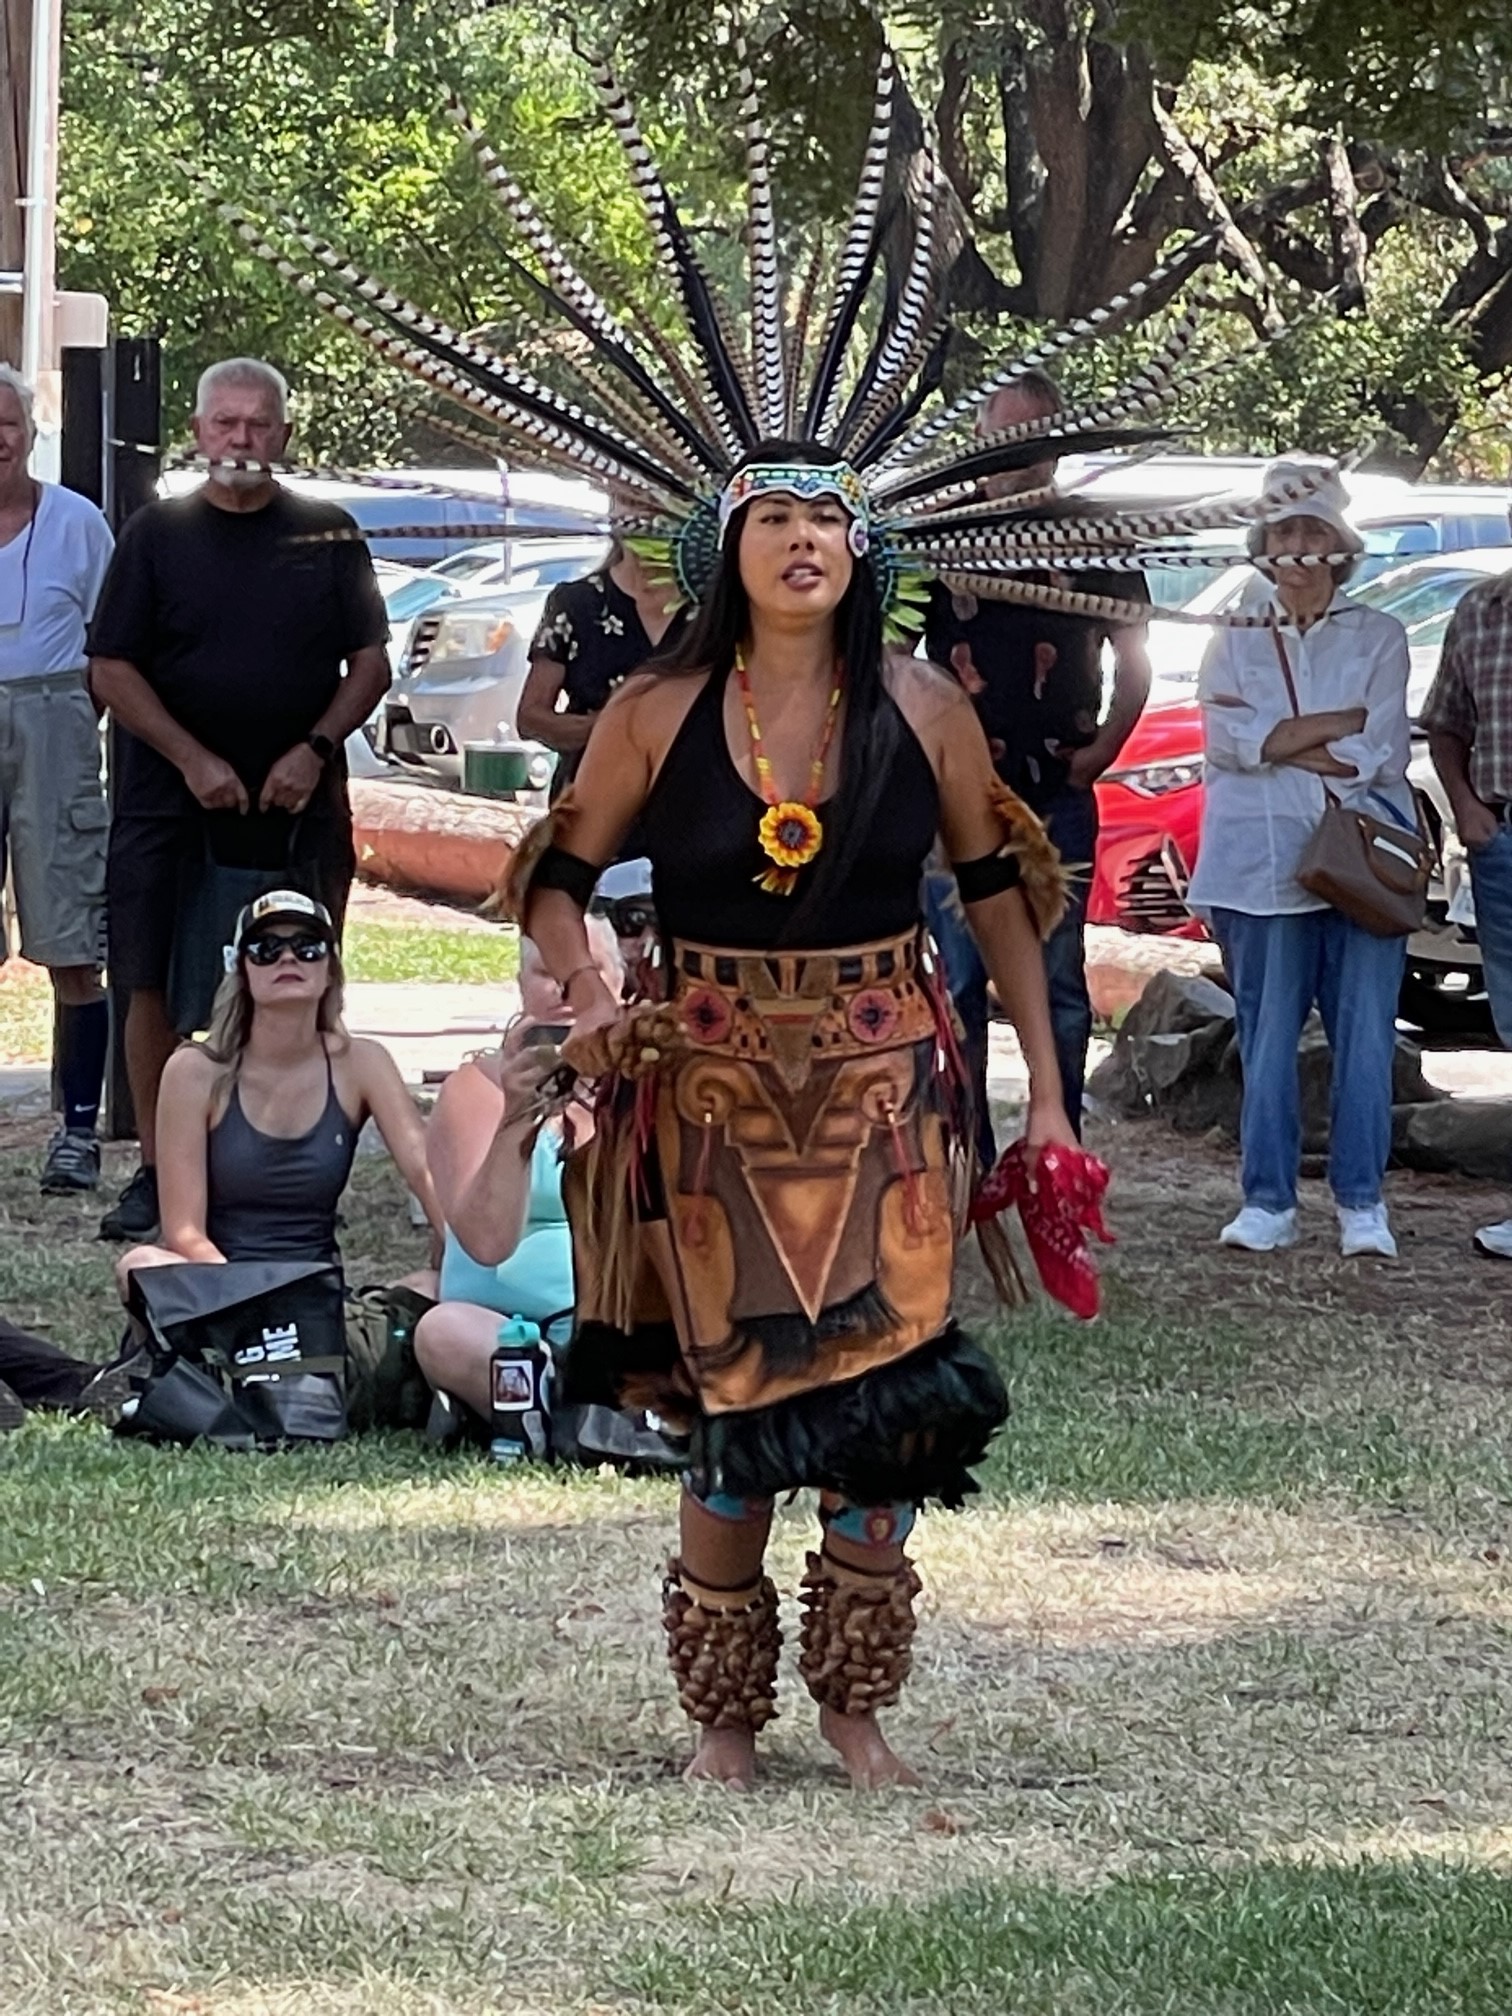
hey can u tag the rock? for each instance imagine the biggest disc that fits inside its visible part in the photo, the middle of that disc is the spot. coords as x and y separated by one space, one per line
1315 1064
1208 1101
1408 1085
1464 1137
1175 1004
1163 1060
1177 1055
1115 1085
1315 1075
1168 1055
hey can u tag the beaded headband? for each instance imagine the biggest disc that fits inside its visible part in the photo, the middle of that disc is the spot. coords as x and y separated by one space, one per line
804 480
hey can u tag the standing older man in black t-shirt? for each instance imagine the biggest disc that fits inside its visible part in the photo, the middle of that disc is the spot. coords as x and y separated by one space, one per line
1037 680
217 645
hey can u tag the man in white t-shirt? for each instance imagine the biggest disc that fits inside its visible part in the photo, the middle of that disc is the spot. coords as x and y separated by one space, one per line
54 549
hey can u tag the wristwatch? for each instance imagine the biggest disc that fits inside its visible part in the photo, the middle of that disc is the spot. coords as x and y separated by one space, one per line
323 746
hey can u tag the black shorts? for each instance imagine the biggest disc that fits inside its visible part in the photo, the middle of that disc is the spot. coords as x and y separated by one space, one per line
152 853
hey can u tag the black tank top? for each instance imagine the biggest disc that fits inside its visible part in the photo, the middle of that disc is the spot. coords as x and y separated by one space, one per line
699 828
273 1197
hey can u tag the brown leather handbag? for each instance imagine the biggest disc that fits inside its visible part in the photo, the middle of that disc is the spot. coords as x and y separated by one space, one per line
1373 870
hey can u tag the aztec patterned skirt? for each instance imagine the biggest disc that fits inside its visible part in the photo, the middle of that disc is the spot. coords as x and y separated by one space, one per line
765 1231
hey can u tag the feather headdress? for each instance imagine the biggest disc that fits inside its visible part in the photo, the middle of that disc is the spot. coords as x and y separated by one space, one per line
666 421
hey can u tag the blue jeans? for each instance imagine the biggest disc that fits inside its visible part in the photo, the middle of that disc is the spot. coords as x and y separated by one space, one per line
1071 819
1491 882
966 977
1280 967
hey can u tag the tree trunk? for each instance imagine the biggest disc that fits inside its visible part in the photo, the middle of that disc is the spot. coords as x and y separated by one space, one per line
1079 137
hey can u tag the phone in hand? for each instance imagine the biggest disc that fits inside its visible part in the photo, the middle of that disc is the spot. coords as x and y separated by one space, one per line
545 1036
549 1037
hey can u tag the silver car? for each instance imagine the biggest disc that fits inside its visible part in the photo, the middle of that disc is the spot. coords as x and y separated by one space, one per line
459 681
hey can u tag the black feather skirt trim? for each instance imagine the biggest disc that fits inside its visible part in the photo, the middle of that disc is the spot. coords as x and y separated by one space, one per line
908 1431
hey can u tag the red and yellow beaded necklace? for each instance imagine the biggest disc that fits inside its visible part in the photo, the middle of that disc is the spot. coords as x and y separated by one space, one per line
791 832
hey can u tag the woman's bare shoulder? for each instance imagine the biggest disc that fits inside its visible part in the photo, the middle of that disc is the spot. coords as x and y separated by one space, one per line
191 1067
193 1081
647 710
364 1057
650 699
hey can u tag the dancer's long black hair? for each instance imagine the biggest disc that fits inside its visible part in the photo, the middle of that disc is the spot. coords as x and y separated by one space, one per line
872 722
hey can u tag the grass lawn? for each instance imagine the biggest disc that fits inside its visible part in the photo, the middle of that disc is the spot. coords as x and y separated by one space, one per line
1211 1693
26 1014
433 953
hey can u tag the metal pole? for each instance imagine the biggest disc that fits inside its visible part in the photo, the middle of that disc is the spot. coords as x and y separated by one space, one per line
39 354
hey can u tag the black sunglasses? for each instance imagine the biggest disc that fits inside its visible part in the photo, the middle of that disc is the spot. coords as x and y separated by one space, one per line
268 948
628 916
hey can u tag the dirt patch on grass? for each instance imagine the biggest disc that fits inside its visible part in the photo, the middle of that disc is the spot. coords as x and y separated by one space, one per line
1439 1300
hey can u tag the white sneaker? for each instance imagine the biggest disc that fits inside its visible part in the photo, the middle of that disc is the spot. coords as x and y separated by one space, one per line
1495 1241
1260 1231
1365 1230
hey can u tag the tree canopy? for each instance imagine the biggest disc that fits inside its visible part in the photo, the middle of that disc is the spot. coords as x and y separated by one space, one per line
1350 163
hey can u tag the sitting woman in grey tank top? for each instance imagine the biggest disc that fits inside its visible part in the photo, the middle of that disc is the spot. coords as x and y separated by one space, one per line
257 1125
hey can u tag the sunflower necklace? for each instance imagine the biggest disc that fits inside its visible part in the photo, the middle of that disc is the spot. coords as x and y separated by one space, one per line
790 833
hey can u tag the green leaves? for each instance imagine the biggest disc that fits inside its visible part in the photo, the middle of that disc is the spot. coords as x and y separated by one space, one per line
1429 73
331 108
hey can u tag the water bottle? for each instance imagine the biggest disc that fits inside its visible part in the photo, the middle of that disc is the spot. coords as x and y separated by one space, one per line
519 1385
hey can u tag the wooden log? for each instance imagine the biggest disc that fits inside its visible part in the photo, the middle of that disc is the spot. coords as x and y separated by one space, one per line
442 843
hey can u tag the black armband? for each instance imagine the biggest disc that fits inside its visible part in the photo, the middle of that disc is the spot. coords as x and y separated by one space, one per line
575 877
988 876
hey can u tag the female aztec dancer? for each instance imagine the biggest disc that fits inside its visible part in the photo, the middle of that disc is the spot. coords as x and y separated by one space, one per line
782 1276
765 1224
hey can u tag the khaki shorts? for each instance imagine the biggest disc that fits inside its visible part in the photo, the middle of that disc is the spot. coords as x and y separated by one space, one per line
53 817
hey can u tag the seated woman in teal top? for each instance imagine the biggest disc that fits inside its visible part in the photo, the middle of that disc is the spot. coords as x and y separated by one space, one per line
536 1279
497 1170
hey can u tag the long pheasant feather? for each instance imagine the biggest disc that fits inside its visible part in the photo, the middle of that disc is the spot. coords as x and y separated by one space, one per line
1075 332
475 359
767 358
621 399
558 440
572 296
676 252
907 336
796 334
858 255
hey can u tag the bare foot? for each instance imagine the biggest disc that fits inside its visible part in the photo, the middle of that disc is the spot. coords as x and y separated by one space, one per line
727 1756
865 1751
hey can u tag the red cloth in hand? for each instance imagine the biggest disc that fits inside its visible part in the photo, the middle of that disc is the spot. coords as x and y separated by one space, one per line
1059 1196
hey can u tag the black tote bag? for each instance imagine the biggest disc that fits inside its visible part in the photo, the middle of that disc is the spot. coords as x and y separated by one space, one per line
246 1353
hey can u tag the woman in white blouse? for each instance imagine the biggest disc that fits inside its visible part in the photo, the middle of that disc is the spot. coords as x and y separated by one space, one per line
1269 767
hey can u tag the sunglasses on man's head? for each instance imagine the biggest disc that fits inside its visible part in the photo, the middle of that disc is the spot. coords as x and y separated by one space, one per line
270 946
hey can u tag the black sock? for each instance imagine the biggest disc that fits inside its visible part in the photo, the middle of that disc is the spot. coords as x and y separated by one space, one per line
83 1039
